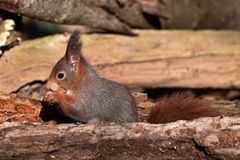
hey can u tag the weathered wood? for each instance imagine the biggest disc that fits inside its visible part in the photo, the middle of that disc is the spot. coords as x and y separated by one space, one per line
194 14
26 62
153 59
206 138
111 15
120 15
19 108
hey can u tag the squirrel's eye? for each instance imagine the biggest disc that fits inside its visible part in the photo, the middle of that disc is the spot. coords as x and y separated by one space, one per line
60 75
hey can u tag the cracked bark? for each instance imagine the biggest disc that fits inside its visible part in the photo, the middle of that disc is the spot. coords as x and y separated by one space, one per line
205 138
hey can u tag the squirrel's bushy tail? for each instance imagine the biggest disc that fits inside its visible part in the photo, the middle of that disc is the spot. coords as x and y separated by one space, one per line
180 107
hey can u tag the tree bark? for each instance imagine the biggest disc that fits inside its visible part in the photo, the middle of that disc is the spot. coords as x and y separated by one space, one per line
120 15
205 138
194 14
153 59
111 15
19 108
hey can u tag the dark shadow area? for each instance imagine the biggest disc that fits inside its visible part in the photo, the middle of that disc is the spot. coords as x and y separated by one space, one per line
54 113
8 15
216 94
35 29
153 20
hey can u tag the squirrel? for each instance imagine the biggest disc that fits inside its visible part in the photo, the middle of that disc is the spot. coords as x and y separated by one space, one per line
82 95
85 97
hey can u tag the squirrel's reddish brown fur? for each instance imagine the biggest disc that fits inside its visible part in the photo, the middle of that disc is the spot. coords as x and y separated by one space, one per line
180 107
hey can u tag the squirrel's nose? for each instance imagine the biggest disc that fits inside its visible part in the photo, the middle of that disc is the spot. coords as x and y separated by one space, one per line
52 86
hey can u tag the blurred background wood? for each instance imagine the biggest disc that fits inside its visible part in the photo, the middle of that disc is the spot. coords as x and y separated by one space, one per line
113 15
194 14
185 59
120 16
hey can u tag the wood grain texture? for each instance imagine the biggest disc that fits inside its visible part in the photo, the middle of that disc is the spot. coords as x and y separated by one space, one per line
110 15
191 59
120 15
205 138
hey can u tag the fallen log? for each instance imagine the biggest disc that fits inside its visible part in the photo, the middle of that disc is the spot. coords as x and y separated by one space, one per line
205 138
28 137
120 15
153 59
114 16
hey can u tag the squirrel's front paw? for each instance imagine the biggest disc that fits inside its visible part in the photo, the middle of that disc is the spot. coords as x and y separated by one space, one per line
50 97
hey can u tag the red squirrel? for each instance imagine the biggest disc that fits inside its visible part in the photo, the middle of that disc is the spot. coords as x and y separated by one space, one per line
83 96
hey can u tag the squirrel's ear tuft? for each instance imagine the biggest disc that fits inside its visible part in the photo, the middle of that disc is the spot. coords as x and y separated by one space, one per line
73 52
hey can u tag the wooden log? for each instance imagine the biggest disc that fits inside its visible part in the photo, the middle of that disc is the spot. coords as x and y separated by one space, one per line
203 59
120 15
114 16
205 138
28 137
